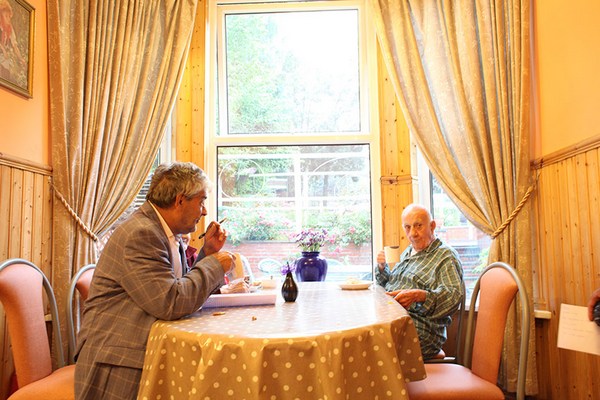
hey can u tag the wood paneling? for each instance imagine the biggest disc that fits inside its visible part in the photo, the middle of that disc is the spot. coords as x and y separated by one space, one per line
25 230
189 108
568 269
398 161
188 134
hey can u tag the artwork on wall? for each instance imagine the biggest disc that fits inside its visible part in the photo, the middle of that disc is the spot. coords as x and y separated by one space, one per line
17 22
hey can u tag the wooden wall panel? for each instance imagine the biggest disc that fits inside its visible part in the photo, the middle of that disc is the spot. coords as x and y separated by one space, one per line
189 108
398 161
568 268
25 230
188 135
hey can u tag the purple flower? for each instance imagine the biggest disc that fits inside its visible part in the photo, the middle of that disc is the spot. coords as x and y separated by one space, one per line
287 268
311 239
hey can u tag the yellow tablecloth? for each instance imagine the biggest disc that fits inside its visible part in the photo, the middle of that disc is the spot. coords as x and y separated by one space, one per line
329 344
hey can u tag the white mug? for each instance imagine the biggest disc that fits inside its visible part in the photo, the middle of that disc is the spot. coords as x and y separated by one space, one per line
392 255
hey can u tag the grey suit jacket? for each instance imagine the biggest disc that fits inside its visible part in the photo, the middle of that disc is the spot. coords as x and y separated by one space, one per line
134 285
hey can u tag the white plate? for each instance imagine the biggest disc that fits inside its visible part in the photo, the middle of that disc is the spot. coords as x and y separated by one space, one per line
356 286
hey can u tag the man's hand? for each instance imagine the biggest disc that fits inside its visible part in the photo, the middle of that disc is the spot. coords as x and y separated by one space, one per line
215 238
408 296
226 259
592 302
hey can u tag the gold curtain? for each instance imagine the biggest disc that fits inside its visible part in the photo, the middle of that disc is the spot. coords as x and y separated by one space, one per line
461 71
115 67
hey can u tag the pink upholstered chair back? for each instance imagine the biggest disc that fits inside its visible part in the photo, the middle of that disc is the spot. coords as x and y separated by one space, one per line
21 294
83 284
497 291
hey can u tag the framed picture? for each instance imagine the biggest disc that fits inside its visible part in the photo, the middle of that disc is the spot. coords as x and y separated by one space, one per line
17 23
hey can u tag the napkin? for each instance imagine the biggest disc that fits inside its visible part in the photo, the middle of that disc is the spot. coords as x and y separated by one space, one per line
236 286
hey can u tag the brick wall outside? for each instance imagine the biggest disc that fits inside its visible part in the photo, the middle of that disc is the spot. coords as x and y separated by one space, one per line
255 251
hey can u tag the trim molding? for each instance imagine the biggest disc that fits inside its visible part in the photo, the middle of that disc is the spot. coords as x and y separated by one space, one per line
21 163
567 152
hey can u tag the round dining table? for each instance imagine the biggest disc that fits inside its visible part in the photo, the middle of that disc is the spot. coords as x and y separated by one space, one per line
331 343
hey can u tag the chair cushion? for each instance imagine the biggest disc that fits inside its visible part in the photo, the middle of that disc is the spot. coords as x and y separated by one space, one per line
452 382
59 385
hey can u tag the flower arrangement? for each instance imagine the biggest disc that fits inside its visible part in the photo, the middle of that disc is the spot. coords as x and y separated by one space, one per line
311 239
287 268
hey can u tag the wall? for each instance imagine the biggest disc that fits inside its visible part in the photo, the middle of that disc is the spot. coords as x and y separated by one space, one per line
567 90
25 175
398 160
24 122
566 36
568 268
25 230
567 139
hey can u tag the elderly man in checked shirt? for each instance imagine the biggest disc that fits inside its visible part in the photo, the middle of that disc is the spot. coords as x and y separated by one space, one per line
426 281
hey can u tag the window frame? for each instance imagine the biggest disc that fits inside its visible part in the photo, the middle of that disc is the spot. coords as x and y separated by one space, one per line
369 129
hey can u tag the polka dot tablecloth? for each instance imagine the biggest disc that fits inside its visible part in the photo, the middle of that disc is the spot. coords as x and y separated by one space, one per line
329 344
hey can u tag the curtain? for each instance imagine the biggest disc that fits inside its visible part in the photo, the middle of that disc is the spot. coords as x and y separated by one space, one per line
115 67
461 71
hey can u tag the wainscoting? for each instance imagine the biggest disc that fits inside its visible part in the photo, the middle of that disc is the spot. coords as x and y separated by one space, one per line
25 230
567 248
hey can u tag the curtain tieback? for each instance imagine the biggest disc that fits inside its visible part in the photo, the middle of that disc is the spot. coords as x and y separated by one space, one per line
512 215
74 215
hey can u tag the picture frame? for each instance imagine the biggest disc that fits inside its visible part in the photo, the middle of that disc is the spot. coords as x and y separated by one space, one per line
17 31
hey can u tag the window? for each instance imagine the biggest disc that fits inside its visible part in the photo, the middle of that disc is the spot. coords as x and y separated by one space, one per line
289 71
452 227
290 119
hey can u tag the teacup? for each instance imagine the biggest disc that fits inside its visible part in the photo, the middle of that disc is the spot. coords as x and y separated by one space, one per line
269 283
238 269
392 255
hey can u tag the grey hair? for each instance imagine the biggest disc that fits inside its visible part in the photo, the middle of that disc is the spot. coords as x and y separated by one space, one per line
175 178
417 207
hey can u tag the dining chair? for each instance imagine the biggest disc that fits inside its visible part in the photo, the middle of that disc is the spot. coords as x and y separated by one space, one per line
441 357
496 289
22 289
269 266
79 284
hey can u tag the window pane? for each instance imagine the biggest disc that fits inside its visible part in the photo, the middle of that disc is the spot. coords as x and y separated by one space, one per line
453 228
270 193
292 72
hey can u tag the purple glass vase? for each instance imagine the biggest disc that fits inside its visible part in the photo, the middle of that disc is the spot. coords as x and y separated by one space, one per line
311 267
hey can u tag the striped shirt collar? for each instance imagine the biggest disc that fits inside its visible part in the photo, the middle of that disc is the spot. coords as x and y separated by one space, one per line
435 243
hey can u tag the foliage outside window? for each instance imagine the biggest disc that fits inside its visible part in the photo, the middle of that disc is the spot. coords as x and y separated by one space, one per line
284 78
270 193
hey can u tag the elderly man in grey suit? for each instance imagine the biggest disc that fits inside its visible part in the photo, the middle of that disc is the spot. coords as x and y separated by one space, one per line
143 276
